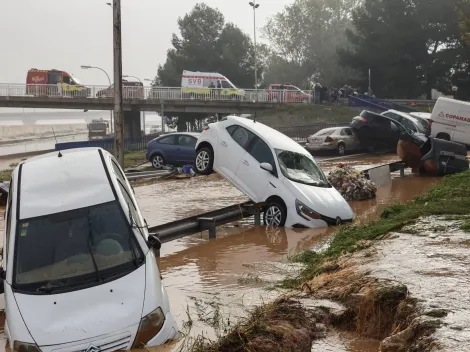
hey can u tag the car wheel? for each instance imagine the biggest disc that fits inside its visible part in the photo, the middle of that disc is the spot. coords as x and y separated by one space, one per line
204 161
158 161
275 214
341 149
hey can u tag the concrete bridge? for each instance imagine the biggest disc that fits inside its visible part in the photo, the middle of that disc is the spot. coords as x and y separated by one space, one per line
165 101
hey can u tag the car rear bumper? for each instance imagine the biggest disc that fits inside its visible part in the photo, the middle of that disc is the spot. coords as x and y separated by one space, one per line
319 147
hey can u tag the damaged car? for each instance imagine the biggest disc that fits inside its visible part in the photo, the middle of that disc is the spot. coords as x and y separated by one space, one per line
273 170
79 272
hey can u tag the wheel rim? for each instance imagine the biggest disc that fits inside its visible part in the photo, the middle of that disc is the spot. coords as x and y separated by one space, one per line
341 149
202 160
273 216
157 162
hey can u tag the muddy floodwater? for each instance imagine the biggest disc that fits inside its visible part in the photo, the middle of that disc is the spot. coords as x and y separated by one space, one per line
212 283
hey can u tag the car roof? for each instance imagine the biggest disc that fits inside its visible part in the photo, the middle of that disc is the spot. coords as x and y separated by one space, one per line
332 129
272 137
403 114
193 134
51 184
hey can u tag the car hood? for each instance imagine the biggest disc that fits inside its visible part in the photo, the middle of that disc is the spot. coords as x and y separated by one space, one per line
325 201
78 315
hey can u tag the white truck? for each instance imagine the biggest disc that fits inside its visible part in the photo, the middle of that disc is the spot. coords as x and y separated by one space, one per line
451 120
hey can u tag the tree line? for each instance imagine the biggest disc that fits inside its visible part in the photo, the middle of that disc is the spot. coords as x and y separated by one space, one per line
410 46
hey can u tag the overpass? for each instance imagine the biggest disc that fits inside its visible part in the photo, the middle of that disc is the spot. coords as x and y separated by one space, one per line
165 101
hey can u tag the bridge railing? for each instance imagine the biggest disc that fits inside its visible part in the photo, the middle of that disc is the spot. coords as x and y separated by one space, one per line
156 93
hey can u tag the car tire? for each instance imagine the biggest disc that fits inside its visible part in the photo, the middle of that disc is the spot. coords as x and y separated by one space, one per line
443 136
204 161
158 161
341 149
275 214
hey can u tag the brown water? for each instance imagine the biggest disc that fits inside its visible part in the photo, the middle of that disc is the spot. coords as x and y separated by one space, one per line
229 275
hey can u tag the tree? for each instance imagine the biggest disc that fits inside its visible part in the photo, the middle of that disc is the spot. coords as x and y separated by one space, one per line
306 37
411 46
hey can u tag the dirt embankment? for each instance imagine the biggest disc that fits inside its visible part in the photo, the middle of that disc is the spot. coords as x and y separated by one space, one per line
401 280
305 114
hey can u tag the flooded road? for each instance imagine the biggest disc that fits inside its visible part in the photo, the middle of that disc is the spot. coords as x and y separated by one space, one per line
212 283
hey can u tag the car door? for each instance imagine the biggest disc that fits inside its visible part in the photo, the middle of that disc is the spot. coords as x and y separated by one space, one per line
168 147
352 143
252 178
232 143
185 150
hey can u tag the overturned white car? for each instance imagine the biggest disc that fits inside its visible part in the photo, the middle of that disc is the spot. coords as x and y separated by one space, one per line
271 168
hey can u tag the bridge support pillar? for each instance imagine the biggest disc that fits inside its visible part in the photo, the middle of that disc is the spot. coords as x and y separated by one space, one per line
132 126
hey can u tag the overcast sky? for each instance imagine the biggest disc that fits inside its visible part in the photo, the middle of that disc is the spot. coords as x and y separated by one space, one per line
65 34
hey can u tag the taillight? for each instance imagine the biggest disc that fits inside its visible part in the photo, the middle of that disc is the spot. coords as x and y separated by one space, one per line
363 120
205 129
329 140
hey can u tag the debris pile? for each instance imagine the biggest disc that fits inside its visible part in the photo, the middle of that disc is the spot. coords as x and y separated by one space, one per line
352 184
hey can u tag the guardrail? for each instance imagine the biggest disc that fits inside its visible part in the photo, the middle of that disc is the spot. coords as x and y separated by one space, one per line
155 93
301 133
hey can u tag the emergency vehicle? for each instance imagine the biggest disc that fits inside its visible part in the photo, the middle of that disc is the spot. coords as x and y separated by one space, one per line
54 83
204 84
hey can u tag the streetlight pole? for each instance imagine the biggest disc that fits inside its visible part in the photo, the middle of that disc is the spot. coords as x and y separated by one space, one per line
254 5
118 113
85 67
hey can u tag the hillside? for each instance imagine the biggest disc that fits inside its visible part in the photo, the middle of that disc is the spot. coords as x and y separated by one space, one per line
305 114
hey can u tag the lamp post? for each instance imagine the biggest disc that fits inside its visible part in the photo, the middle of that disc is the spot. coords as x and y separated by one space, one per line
254 5
86 67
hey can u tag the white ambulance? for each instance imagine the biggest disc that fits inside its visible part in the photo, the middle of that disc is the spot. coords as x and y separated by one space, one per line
451 120
204 85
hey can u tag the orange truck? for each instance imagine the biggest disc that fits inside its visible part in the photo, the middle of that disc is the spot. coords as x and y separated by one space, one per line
54 83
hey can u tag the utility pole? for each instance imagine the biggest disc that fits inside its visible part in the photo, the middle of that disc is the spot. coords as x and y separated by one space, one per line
254 5
118 113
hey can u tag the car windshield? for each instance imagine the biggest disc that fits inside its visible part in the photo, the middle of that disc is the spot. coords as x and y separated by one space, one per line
74 248
300 168
422 124
76 80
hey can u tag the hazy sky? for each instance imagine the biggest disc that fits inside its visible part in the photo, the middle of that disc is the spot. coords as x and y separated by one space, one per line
65 34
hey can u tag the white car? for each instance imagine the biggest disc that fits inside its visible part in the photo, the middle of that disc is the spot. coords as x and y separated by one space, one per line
78 270
271 168
414 124
340 139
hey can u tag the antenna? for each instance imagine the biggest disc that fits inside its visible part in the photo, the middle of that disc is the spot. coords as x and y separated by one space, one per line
60 154
254 118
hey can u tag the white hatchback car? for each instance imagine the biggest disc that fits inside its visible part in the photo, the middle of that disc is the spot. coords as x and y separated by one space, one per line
78 270
271 168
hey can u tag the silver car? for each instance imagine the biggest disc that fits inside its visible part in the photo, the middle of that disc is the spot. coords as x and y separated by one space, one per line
340 139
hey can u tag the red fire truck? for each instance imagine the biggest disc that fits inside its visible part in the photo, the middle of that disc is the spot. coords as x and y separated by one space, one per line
54 83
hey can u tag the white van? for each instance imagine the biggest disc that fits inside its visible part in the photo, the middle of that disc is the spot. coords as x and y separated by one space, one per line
78 270
451 120
196 84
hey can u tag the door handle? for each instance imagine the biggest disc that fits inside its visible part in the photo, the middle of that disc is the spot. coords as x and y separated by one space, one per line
223 143
246 163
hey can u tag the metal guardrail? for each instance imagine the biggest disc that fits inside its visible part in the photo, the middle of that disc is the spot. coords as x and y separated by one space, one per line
155 93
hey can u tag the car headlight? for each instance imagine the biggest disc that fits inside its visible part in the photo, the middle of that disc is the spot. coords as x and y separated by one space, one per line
150 325
19 346
306 212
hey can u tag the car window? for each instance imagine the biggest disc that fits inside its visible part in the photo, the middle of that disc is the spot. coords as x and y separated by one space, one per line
324 133
348 132
242 136
393 116
118 172
262 153
225 84
187 141
8 220
230 129
343 132
409 125
292 88
168 140
130 204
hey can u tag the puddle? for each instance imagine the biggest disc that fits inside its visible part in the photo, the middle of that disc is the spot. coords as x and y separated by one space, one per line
229 275
439 276
345 342
361 164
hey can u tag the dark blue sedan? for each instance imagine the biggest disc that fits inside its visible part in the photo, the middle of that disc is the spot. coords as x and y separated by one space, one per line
172 149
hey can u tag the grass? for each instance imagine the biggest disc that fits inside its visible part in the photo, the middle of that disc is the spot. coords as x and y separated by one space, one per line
451 197
305 114
465 226
5 175
132 159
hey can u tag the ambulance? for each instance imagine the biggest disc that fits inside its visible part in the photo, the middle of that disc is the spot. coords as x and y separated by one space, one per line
54 83
203 85
451 120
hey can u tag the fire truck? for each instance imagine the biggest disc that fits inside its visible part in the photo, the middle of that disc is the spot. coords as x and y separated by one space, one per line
54 83
97 129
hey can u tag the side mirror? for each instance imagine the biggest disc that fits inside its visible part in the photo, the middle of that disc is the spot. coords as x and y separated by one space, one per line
267 167
154 242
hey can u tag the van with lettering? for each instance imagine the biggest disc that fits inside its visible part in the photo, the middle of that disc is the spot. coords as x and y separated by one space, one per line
54 83
450 120
209 86
79 272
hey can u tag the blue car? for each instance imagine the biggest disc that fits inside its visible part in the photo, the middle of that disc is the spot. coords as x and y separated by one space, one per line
172 149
